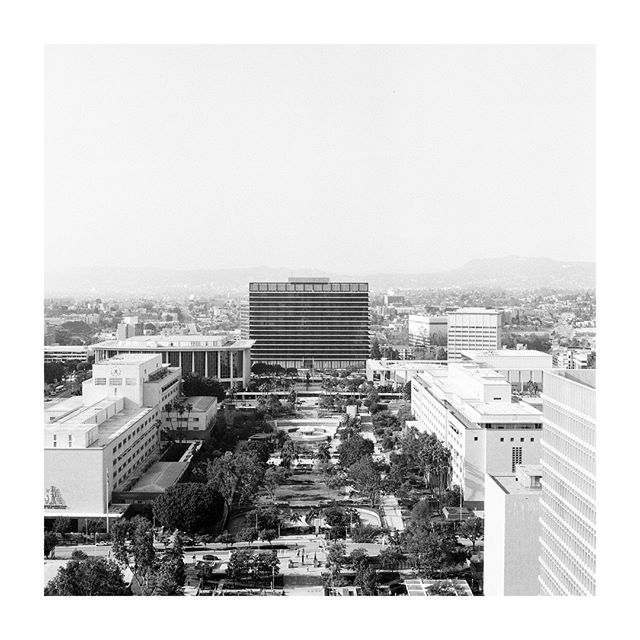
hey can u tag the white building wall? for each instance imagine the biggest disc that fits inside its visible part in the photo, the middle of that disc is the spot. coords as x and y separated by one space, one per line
568 502
511 541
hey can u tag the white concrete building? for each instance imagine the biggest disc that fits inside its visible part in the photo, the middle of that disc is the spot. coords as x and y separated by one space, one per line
423 330
518 366
99 442
195 420
473 329
399 372
220 357
76 353
471 411
568 501
512 532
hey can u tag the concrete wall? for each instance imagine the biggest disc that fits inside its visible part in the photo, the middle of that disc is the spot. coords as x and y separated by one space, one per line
511 544
79 476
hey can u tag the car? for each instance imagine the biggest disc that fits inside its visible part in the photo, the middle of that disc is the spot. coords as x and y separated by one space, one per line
210 558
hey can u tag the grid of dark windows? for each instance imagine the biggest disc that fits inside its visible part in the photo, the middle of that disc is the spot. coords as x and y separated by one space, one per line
516 457
199 362
225 368
309 322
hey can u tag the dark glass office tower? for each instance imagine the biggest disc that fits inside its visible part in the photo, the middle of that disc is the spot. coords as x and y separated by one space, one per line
309 323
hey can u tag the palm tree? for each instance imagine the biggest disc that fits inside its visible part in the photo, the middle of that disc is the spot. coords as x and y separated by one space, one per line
295 517
180 410
324 452
189 408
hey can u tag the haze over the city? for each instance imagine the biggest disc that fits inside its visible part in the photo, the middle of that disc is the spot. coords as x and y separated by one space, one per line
343 159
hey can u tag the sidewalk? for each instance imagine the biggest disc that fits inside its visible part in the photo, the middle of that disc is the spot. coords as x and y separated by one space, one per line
391 513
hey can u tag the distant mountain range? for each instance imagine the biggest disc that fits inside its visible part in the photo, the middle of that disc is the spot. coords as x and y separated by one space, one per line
508 273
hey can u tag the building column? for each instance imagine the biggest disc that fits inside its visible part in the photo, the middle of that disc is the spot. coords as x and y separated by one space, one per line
231 368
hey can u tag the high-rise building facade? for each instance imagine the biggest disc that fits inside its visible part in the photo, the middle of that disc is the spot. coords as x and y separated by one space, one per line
568 500
309 323
473 329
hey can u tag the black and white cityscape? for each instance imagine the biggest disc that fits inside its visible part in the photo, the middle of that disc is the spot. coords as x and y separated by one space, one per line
401 402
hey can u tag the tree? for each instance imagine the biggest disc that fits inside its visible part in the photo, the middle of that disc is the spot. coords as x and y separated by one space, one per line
267 535
376 354
247 534
353 449
119 533
421 512
256 567
390 557
273 478
142 548
62 526
361 533
336 559
50 542
366 478
189 506
324 452
472 529
431 551
87 577
288 453
366 577
222 477
406 391
193 384
54 372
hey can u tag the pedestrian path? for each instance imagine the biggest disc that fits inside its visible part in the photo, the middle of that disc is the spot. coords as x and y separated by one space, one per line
391 513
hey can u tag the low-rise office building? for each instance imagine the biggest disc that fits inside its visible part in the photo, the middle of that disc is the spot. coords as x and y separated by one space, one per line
220 357
75 353
192 419
100 442
512 532
470 409
519 366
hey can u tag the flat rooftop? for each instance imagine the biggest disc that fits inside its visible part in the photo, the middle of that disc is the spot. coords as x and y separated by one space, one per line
506 353
585 377
159 477
81 418
476 310
176 342
511 485
201 403
130 358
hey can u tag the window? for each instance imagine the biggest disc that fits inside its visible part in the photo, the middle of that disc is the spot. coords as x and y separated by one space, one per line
55 440
521 439
475 438
70 440
115 381
99 381
130 381
516 457
511 439
532 439
501 439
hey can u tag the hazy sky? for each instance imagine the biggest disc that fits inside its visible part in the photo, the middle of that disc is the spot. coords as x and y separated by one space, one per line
342 158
